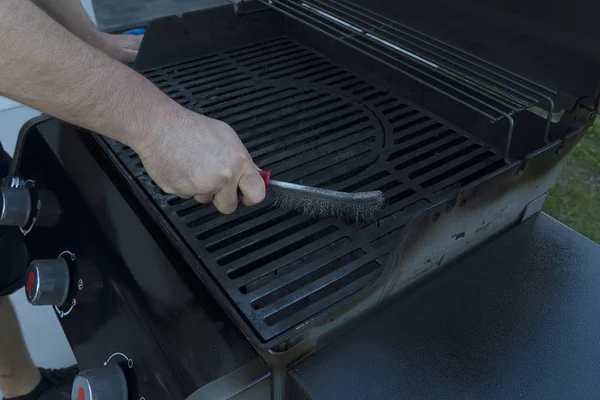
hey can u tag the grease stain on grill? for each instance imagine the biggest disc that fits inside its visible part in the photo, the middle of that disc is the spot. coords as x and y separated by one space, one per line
312 122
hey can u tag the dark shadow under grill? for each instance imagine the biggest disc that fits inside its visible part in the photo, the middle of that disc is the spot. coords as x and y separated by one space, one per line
315 123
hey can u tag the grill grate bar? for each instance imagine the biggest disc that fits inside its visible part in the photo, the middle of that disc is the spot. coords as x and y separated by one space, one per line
334 165
275 100
217 87
289 272
326 150
231 104
280 288
438 141
188 65
255 279
323 75
207 70
272 312
203 78
459 176
309 122
228 237
256 259
314 103
415 169
269 235
215 98
455 162
321 303
392 217
286 60
257 214
298 69
200 212
312 140
458 166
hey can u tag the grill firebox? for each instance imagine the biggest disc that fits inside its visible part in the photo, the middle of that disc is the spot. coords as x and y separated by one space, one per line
316 123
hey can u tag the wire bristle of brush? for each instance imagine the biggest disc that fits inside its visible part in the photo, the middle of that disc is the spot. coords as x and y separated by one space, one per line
323 203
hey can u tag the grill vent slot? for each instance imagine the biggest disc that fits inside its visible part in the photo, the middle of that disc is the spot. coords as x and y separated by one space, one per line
312 122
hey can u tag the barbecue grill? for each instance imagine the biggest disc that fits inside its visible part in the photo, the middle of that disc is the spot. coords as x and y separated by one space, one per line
326 94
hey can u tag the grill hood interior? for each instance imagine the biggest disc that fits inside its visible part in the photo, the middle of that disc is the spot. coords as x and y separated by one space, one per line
551 42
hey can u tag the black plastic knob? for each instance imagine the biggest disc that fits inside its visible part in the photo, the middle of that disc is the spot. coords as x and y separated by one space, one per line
104 383
16 207
47 282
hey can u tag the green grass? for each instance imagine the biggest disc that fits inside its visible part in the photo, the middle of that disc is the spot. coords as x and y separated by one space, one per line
587 153
576 197
576 206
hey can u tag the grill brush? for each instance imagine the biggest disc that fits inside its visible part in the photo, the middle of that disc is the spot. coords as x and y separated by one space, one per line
323 203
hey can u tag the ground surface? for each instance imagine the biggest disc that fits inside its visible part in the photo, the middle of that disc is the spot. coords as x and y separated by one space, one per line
575 200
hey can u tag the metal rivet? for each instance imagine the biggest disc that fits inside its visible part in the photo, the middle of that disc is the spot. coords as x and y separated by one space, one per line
558 150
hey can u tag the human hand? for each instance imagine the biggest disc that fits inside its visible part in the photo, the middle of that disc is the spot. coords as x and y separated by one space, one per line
200 157
123 48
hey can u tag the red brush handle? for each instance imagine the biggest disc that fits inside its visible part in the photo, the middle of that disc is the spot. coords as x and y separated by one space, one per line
266 175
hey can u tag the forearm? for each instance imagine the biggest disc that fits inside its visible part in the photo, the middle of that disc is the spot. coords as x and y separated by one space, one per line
72 15
46 67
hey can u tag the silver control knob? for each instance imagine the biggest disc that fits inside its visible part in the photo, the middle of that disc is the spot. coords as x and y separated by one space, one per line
47 282
105 383
16 207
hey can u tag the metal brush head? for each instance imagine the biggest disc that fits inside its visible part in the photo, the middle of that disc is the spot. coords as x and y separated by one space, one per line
323 203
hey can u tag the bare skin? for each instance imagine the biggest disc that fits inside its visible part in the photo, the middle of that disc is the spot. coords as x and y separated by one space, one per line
74 74
45 66
18 374
72 15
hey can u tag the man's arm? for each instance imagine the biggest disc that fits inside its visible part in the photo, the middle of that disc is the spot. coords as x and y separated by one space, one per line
48 68
72 15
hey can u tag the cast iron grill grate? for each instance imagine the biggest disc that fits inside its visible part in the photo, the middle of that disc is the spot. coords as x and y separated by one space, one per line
311 122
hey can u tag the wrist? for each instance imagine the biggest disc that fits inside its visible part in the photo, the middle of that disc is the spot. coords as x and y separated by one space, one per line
153 132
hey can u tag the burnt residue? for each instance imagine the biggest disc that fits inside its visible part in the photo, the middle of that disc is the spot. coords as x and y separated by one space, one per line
440 261
458 235
487 222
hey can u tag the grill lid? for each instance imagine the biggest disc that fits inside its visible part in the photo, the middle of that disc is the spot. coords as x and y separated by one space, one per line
551 42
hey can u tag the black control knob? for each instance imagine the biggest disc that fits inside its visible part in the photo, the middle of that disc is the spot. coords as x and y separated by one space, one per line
48 282
16 207
105 383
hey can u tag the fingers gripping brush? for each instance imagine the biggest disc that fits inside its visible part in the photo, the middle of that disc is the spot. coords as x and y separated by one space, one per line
323 203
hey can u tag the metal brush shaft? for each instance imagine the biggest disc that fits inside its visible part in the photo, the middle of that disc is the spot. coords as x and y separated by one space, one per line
333 195
323 203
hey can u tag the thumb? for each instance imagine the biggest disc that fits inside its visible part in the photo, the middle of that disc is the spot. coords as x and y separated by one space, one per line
252 187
